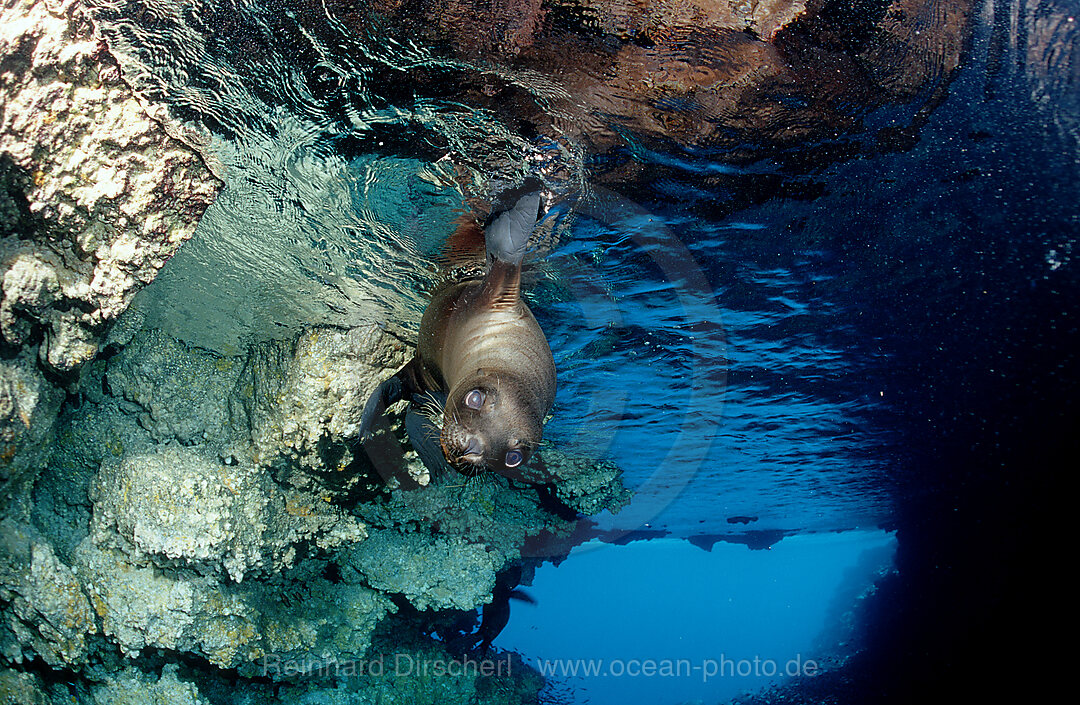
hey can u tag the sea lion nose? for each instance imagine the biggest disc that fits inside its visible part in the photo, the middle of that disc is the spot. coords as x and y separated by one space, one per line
472 447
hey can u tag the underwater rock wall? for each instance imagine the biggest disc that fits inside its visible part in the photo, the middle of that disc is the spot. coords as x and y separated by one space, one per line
95 196
237 546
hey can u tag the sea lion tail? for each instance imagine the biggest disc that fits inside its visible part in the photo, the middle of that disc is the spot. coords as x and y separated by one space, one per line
508 233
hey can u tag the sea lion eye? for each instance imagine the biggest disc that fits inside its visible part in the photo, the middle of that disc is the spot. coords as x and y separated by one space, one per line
474 399
514 458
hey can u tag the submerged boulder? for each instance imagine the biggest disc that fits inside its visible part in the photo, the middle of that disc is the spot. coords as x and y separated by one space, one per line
179 507
95 196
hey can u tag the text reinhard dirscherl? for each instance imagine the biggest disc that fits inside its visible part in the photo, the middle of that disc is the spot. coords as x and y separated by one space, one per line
411 665
378 666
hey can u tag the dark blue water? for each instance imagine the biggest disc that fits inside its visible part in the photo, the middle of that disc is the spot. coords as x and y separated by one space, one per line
718 381
863 341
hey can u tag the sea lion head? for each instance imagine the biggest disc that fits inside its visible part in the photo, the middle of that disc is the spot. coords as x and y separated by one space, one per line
489 423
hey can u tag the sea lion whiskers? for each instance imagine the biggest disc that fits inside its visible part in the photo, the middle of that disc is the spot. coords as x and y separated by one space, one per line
432 433
476 483
468 490
432 407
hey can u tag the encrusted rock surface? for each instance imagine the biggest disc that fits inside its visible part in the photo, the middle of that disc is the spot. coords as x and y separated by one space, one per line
173 390
439 573
112 196
303 397
29 404
228 625
94 198
235 546
585 485
22 688
178 506
134 687
49 614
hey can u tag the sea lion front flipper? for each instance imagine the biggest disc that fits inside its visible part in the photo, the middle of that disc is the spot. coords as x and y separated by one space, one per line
384 395
424 437
402 385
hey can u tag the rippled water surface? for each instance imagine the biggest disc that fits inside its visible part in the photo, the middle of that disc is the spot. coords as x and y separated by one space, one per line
340 183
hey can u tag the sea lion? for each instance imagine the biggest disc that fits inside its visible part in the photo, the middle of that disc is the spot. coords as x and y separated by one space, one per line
481 350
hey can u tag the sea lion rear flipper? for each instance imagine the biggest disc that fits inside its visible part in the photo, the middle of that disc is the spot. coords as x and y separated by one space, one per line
508 234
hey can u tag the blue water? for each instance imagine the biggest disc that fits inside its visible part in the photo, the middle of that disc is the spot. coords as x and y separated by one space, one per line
828 347
695 625
734 370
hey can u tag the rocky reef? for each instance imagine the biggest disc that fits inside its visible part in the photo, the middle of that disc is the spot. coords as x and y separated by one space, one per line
95 196
184 526
209 512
